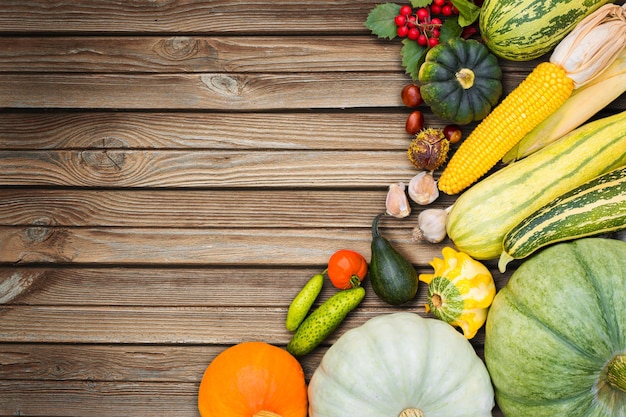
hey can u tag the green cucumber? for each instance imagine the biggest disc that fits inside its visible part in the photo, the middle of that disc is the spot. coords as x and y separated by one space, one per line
301 304
324 320
521 30
597 206
393 277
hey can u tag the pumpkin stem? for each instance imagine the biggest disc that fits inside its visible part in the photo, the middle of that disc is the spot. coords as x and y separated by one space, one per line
616 372
411 412
465 76
265 413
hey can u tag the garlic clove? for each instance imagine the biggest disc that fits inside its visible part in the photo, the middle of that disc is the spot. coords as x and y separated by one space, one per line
397 203
423 188
431 225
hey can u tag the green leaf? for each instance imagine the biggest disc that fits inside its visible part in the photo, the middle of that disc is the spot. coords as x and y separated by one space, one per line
412 57
381 20
450 29
468 12
420 3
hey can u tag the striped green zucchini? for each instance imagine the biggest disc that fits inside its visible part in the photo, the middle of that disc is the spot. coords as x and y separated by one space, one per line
521 30
597 206
484 213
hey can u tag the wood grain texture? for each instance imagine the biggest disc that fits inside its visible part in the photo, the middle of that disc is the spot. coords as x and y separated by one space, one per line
298 130
172 172
198 54
218 169
170 286
216 208
169 246
183 16
208 91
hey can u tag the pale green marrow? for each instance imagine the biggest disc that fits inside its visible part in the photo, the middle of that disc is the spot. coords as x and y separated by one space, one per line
484 213
524 30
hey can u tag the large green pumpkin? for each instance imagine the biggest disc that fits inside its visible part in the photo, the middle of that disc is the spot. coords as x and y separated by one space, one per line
556 333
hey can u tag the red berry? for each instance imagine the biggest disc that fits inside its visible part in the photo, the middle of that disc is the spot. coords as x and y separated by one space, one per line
446 10
405 10
422 40
422 14
435 9
432 42
403 31
435 21
439 2
411 22
435 33
400 20
413 34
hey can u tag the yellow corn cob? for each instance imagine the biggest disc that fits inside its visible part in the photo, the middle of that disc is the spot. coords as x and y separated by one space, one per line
580 57
545 89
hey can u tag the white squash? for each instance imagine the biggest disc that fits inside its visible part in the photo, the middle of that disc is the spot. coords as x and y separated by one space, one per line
401 365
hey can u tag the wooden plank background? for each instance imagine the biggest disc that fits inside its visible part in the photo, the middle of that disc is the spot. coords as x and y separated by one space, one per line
171 173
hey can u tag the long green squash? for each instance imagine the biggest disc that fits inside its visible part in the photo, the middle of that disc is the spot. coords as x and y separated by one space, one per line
483 214
521 30
597 206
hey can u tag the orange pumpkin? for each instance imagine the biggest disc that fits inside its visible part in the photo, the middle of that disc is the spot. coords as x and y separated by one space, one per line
253 379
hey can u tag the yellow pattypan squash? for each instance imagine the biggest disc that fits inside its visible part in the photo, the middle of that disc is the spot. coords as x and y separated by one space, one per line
460 291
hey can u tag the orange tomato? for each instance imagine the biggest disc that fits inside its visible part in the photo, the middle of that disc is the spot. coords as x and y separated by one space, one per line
346 269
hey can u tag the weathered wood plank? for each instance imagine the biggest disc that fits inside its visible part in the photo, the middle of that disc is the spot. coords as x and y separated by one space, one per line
160 325
219 169
233 54
94 398
293 208
208 91
199 54
174 287
102 398
123 363
342 130
179 16
48 399
225 247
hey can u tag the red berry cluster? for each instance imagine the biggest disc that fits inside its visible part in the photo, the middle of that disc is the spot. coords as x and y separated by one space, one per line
420 25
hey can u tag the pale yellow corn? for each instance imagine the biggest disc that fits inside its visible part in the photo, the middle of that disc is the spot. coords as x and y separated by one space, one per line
545 89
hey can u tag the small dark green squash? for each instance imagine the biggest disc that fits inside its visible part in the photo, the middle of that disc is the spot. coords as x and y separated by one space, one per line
393 277
460 80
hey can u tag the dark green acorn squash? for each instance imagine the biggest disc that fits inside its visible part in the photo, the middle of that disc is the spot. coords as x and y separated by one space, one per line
460 80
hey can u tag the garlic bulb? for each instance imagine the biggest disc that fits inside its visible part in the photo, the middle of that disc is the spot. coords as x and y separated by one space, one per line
431 225
423 188
397 203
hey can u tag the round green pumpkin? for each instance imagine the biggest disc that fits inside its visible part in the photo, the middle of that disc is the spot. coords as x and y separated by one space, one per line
555 340
460 80
401 365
